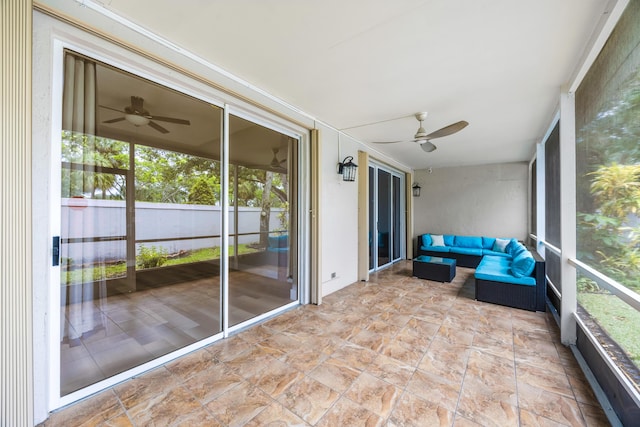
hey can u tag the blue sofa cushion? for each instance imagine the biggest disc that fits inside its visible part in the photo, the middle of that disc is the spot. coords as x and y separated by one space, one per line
488 242
449 239
515 248
426 240
523 264
443 249
494 253
466 251
500 273
437 240
495 260
468 242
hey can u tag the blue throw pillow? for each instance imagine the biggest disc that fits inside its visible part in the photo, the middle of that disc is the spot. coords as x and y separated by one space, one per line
523 265
448 239
426 240
500 245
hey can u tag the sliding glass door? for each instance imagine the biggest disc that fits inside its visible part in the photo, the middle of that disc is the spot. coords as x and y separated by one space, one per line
146 265
386 219
262 271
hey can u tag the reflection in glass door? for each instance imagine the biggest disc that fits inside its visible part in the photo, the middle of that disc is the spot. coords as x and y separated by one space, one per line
140 222
262 235
141 233
386 222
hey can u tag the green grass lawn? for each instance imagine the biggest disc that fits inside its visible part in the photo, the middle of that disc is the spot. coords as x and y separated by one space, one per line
617 318
113 271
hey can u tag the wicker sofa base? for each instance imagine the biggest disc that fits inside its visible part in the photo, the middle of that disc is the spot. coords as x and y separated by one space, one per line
510 295
533 298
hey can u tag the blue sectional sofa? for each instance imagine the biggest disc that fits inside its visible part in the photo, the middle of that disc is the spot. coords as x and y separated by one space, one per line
466 250
507 273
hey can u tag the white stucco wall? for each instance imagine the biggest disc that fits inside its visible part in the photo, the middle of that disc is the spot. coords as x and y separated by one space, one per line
487 200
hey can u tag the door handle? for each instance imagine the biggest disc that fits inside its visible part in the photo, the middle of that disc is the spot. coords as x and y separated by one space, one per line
56 251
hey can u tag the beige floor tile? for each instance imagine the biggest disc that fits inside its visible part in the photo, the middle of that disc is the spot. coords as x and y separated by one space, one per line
394 351
239 405
348 413
435 389
391 370
275 378
544 379
414 411
336 374
93 411
309 399
165 408
145 386
213 382
276 415
374 394
553 406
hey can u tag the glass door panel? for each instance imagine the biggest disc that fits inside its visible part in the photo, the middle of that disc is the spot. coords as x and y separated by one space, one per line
385 251
372 219
397 218
262 271
386 219
140 231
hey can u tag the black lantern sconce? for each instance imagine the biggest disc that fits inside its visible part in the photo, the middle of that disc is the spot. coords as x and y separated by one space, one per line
416 190
347 169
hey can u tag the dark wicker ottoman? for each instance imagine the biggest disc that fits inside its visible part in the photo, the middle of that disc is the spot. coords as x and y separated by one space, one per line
434 268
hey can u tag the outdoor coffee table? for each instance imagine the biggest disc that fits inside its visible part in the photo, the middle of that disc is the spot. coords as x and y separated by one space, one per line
434 268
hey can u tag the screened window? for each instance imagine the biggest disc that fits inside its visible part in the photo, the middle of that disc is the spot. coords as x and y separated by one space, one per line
608 191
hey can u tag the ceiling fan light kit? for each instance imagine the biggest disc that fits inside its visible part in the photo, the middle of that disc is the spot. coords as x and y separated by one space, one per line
136 120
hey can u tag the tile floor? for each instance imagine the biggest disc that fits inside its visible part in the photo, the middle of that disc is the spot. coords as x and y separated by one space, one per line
394 351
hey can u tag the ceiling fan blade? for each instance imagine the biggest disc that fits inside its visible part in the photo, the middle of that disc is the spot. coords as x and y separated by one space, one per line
171 120
389 142
158 127
448 130
119 119
428 147
112 109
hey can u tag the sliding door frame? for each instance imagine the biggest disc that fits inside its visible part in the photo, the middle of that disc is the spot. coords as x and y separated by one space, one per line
139 65
397 212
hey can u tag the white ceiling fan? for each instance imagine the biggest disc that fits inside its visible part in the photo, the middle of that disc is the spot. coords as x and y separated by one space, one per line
424 139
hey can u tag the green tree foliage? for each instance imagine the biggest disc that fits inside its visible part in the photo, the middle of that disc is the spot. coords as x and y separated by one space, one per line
201 192
608 167
79 150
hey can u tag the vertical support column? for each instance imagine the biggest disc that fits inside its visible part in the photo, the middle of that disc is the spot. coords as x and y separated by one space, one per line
224 231
16 317
316 235
363 215
541 198
568 216
408 179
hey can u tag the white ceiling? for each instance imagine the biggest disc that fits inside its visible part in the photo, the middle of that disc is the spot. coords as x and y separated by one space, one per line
499 64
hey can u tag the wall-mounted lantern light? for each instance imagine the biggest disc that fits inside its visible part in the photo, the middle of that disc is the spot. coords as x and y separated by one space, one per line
347 169
416 190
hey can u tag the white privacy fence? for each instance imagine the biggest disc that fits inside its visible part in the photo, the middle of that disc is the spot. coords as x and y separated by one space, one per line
96 230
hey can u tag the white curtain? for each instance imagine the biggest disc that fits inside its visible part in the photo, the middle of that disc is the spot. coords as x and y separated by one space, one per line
81 307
